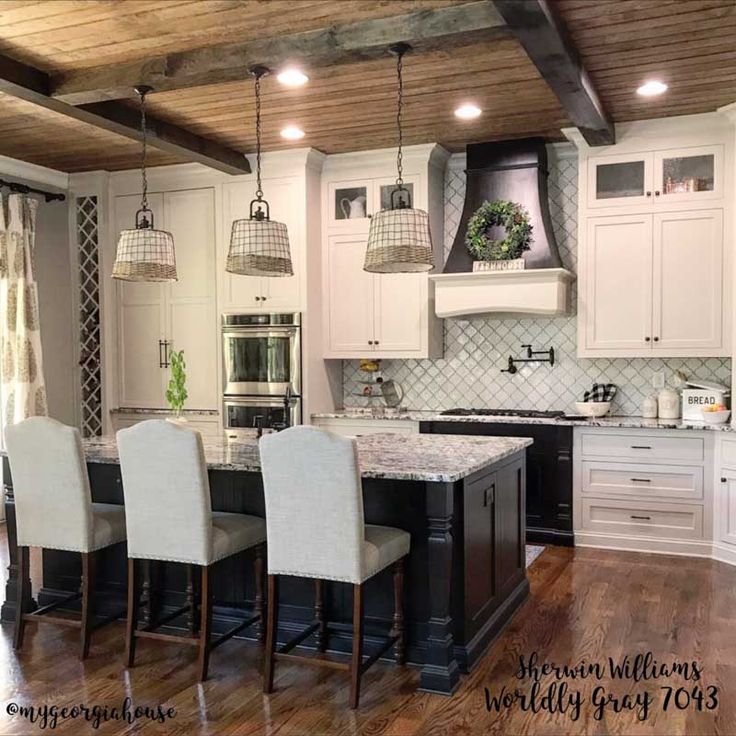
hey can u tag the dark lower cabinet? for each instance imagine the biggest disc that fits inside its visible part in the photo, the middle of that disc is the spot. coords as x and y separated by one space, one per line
548 473
492 565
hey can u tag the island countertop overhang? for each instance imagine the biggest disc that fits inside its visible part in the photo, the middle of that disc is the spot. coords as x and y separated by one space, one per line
425 458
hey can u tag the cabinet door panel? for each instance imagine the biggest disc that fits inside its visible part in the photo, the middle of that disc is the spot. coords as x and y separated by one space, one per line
282 293
727 507
618 295
480 531
620 179
192 324
140 321
689 174
350 298
400 311
238 292
509 539
688 275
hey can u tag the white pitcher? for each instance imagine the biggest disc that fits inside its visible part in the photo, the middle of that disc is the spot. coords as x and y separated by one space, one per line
353 209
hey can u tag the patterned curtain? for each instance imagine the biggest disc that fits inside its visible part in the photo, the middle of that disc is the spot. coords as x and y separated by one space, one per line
22 387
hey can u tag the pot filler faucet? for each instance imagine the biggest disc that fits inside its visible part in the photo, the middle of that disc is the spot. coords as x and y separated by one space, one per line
530 359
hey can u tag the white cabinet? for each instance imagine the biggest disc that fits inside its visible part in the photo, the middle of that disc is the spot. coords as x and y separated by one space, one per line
655 178
371 313
652 285
382 315
153 319
255 293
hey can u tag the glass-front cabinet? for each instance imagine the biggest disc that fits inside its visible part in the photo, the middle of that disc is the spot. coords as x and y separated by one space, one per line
675 175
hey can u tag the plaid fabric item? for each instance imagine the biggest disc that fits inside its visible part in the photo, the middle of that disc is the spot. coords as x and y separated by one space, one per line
601 392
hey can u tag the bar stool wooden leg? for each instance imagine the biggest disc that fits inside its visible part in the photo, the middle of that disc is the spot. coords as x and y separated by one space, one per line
398 627
357 659
88 589
132 618
271 624
205 623
23 593
259 602
319 615
191 602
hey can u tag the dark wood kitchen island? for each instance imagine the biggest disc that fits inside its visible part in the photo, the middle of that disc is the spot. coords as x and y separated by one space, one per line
461 499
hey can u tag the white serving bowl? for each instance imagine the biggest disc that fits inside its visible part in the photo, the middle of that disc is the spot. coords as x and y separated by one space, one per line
716 417
593 408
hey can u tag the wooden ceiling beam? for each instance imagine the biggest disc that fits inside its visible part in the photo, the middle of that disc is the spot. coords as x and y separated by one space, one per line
548 45
444 28
32 85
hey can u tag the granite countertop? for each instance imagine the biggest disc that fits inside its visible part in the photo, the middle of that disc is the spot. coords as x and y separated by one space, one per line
437 457
165 412
607 421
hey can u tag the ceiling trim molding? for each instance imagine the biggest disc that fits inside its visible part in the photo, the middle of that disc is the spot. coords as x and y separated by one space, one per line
33 172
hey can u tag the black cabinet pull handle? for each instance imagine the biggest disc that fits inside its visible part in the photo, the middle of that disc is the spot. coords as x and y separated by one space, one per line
656 339
640 447
647 339
723 480
649 194
166 344
645 518
656 194
640 480
160 354
485 497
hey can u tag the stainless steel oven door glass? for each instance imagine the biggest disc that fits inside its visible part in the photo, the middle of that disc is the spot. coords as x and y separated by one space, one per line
263 359
270 412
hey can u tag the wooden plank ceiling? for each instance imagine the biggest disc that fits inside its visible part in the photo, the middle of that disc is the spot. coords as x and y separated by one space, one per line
687 43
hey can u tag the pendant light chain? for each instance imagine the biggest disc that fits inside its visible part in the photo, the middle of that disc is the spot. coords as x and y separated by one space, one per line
399 110
144 151
259 190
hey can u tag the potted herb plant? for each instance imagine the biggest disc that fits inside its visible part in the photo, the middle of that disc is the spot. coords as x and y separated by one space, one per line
176 393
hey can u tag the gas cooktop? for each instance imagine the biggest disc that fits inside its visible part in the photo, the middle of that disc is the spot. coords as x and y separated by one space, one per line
530 413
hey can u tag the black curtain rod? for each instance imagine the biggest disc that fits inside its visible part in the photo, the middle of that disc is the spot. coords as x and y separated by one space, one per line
15 186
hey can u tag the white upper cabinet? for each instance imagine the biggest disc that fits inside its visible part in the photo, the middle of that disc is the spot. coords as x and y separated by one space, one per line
618 305
265 294
153 319
655 239
688 280
654 178
381 315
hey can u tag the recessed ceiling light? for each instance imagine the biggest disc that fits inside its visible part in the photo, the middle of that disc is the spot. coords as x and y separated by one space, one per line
467 111
292 77
292 133
652 88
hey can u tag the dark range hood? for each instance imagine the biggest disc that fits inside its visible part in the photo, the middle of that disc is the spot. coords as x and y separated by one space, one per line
515 171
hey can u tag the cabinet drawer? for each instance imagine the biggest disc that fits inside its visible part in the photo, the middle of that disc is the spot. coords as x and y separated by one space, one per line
359 427
635 518
642 481
648 448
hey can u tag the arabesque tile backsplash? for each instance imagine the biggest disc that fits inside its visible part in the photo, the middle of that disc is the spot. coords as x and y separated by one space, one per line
475 350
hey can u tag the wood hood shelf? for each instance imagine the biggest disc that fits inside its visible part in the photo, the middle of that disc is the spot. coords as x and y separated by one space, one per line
543 291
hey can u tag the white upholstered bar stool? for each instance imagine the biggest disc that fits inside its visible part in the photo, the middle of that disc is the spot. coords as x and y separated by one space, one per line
169 518
54 510
314 518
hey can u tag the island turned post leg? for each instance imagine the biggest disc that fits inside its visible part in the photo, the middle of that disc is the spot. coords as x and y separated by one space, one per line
440 673
12 587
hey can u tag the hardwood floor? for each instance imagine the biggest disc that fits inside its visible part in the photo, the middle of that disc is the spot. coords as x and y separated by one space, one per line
585 604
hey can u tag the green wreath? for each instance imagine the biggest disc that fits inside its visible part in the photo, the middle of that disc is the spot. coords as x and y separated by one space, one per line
509 215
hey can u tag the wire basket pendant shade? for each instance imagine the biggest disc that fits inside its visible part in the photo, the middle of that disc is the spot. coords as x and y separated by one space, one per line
259 246
144 253
399 240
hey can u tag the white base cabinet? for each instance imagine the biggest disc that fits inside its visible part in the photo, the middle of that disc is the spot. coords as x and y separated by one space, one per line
643 490
360 426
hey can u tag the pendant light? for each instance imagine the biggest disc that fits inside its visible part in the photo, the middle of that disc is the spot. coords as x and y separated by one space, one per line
144 253
399 240
258 245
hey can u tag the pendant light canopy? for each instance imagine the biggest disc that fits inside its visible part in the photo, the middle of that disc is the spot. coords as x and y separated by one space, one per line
144 253
259 246
399 240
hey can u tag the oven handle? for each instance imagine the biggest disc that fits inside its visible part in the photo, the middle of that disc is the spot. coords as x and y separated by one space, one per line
230 333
